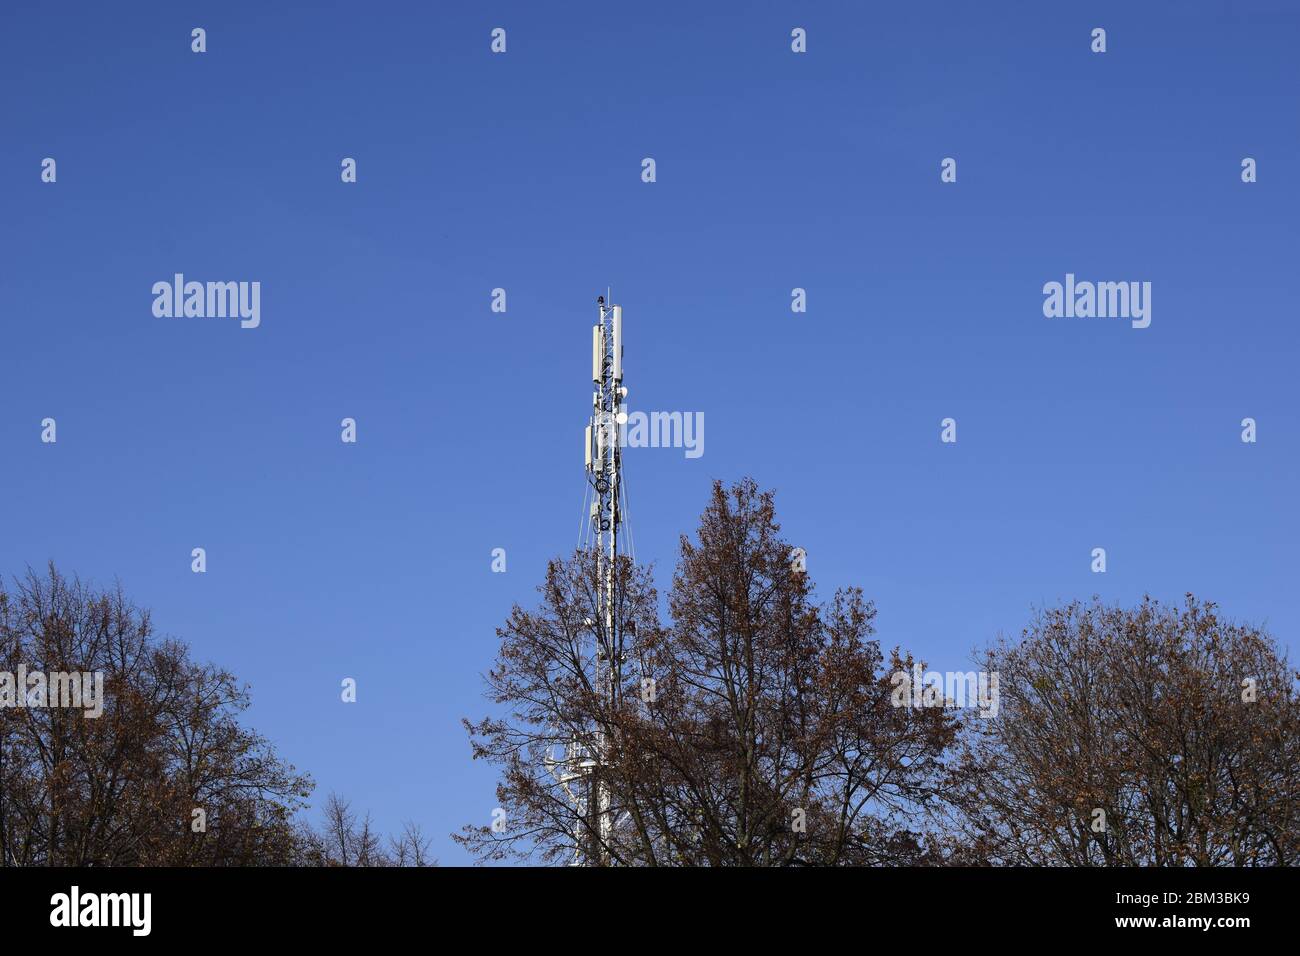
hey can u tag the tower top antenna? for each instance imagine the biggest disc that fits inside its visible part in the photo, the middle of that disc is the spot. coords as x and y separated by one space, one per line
585 760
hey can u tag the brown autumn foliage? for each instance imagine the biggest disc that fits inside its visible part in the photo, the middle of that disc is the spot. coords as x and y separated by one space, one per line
768 738
753 727
120 789
1147 715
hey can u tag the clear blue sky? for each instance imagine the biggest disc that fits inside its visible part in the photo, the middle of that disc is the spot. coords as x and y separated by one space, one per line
775 170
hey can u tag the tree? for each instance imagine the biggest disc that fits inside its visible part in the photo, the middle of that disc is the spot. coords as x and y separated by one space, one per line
346 840
410 847
166 775
343 839
545 678
1151 736
756 728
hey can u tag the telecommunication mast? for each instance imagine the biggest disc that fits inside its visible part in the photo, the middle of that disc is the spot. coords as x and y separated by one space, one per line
604 520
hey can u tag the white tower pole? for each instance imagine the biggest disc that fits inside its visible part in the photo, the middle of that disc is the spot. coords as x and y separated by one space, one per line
605 469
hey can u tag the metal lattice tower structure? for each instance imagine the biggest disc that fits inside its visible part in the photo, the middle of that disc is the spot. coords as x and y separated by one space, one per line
579 772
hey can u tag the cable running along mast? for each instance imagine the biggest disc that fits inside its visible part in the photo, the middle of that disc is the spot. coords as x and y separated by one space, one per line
580 770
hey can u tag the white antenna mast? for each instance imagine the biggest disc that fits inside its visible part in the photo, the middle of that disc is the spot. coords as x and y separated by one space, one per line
604 463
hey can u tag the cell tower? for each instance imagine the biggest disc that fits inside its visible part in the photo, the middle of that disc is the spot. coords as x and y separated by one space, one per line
604 522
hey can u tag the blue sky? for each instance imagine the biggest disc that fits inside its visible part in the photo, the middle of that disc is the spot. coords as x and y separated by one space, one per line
522 171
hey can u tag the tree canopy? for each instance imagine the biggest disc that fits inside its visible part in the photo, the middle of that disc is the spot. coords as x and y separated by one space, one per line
757 726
